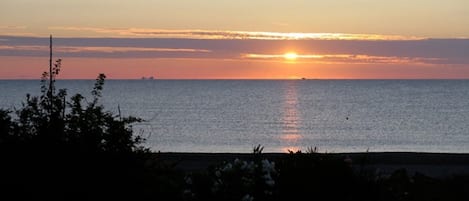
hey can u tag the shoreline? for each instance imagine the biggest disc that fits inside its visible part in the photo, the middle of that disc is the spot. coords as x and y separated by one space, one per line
384 163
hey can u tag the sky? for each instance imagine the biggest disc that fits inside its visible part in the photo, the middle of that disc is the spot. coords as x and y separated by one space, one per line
243 39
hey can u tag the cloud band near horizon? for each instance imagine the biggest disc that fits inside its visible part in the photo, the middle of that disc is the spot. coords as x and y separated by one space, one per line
419 51
229 34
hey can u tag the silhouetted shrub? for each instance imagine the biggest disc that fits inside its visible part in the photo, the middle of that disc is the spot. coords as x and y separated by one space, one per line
52 148
50 122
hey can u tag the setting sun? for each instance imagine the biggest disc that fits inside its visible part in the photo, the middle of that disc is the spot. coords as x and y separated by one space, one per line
290 56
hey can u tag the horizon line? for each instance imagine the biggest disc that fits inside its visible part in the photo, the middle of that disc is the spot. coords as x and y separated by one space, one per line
229 79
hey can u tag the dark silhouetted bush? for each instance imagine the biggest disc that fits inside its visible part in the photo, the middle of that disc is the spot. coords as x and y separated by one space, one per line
50 122
52 147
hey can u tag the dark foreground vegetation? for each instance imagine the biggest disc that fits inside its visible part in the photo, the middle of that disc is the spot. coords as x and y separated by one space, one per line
55 148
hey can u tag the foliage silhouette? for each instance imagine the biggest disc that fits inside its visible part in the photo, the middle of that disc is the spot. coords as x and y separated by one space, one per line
51 122
52 147
257 150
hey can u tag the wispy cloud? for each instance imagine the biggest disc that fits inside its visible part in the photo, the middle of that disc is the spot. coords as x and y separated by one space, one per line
23 47
430 51
124 49
13 30
227 34
77 49
23 34
347 59
282 56
12 27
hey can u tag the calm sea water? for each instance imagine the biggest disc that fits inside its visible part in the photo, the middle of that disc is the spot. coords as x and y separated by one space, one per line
235 115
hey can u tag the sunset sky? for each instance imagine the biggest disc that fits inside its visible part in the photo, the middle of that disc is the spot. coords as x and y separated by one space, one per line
243 39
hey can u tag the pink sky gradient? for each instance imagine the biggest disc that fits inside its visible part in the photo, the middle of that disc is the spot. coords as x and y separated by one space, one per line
132 68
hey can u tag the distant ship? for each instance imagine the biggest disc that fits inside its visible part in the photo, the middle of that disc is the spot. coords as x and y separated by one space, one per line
149 78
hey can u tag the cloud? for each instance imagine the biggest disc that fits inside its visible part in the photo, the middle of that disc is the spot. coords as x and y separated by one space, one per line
74 49
13 27
428 51
10 30
281 56
23 47
28 34
347 59
233 35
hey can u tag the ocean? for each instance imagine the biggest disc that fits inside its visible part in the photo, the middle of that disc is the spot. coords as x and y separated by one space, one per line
281 115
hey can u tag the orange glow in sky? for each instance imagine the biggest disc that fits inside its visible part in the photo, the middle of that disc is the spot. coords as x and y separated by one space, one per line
208 39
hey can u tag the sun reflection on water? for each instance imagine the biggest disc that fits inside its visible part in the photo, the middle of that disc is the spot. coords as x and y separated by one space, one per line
291 119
